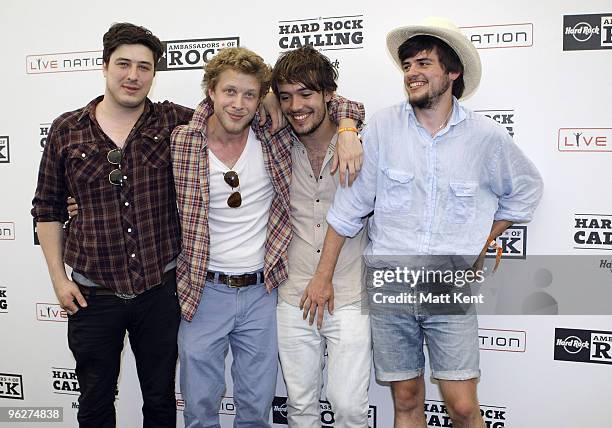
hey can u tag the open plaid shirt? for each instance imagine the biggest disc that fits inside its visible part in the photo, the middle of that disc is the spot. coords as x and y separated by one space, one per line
189 153
124 235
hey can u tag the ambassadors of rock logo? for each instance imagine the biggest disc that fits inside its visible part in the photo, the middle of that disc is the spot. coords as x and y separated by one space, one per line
11 386
323 33
513 242
193 53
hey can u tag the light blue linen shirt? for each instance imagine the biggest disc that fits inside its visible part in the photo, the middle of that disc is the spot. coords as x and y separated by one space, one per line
435 196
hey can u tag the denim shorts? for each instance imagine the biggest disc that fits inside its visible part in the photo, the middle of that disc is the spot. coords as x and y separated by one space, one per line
398 335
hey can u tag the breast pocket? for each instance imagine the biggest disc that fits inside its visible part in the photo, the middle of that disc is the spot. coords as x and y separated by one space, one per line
156 148
461 201
86 163
398 188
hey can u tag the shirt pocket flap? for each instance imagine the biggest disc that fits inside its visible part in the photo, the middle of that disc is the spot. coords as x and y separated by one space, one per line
82 151
399 176
86 163
465 188
155 149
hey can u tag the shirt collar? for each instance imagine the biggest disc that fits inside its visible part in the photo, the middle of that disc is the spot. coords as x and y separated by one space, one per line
457 116
90 109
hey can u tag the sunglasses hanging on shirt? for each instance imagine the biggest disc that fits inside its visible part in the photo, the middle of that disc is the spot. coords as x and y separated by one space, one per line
235 199
114 157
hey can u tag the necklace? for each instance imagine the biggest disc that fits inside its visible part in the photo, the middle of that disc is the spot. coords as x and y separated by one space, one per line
439 128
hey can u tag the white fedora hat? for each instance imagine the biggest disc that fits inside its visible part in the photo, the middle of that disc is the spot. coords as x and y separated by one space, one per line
449 33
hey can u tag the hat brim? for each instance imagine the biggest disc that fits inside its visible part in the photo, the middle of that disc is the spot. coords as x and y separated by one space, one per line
466 51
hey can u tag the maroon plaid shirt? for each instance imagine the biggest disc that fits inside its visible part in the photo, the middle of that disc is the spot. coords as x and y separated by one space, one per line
125 235
191 175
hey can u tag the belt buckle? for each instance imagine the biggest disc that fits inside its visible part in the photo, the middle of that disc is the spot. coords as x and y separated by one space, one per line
230 281
125 296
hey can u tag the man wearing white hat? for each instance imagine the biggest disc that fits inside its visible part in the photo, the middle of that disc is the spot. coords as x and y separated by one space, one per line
440 180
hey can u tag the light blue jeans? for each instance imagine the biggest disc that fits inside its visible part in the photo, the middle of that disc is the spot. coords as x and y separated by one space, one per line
398 331
245 319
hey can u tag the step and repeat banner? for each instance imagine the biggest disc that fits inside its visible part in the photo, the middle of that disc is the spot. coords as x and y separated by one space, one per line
546 79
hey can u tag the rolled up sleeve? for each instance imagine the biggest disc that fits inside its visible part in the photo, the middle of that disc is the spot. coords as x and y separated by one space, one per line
353 203
517 182
49 203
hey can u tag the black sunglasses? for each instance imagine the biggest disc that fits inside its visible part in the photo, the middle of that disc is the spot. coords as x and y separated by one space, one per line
114 157
235 199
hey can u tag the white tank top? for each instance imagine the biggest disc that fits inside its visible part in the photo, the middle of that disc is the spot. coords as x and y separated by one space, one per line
238 235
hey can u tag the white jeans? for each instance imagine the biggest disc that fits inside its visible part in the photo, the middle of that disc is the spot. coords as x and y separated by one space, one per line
301 349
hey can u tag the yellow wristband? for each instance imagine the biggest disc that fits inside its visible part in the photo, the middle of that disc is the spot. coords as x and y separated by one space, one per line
352 129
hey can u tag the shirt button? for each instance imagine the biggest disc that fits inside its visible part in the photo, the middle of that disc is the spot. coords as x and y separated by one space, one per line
127 204
318 251
318 225
156 138
133 255
125 177
320 177
317 200
83 155
129 230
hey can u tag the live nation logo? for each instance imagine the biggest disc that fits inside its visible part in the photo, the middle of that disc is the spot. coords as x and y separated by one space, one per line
11 386
500 35
492 339
584 139
583 346
323 33
64 62
7 231
3 301
503 117
279 413
50 312
593 231
587 32
513 242
5 153
436 415
193 53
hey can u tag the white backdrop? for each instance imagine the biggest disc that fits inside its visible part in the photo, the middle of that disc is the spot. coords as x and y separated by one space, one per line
50 62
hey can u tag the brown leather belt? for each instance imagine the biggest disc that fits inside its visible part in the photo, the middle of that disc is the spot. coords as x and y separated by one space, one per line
235 281
102 291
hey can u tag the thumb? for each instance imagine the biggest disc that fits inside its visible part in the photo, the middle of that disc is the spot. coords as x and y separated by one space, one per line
80 299
335 161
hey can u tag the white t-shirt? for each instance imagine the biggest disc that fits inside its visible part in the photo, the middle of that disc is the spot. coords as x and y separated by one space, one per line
238 235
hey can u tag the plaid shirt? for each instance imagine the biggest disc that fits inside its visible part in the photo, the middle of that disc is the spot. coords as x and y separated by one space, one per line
191 177
124 235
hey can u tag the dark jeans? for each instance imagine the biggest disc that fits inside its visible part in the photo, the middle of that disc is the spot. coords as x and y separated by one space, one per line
95 337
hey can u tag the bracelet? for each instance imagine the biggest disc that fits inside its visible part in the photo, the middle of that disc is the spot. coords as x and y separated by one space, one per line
351 129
